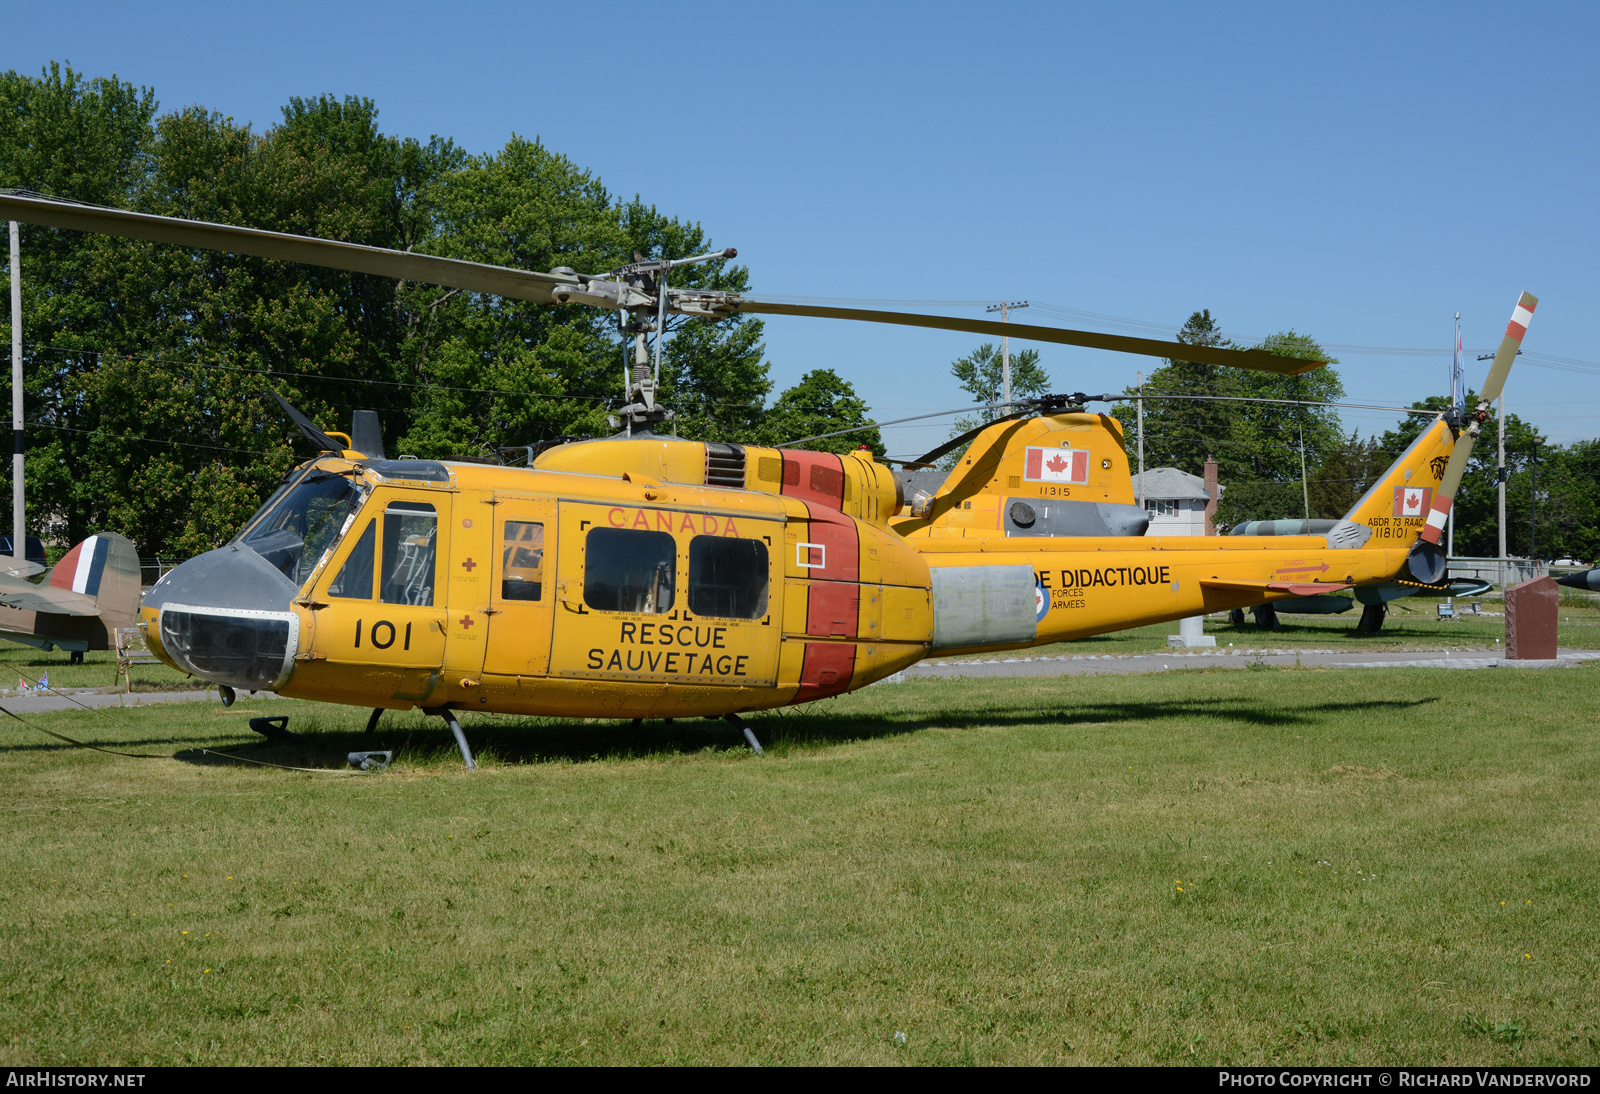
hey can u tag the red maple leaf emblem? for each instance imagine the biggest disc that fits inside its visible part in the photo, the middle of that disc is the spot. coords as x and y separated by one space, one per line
1057 464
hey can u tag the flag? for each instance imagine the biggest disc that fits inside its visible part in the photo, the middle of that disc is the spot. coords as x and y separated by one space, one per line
22 685
1412 501
1056 465
44 679
1458 391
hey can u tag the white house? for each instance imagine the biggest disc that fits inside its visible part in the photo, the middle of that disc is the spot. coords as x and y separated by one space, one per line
1176 501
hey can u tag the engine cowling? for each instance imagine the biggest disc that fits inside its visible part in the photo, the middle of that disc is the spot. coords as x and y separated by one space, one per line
854 484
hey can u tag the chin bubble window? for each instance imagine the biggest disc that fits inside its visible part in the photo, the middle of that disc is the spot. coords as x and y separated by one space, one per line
727 577
629 571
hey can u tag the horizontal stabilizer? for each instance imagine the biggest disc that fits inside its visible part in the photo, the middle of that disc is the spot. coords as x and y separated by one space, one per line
17 593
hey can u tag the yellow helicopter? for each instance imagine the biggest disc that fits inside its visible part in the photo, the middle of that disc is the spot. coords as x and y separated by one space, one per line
645 575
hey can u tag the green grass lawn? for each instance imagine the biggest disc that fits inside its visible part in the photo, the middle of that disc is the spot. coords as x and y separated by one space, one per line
99 670
1293 866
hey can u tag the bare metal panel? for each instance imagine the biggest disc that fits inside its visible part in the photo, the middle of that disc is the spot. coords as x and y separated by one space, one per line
982 606
1054 517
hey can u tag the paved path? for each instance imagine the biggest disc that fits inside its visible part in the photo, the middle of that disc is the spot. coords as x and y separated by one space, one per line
1091 664
58 700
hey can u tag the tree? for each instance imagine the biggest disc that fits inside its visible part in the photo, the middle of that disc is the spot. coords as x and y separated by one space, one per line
490 371
1569 502
65 135
146 366
981 375
1344 474
822 402
1273 444
1183 433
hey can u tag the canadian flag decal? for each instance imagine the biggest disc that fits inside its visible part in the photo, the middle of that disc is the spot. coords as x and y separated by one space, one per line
1412 501
1056 465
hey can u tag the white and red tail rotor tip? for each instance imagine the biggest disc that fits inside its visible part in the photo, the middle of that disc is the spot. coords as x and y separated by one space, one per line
1521 317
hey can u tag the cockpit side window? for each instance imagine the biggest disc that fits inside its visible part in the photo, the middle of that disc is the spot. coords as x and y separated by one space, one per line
410 551
354 579
297 526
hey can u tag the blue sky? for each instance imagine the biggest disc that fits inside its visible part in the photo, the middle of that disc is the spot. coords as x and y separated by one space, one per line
1358 172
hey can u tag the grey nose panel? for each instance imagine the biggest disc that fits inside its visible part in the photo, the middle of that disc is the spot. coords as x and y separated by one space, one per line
229 577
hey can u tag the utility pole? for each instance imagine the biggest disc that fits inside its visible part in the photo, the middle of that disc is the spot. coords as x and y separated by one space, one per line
19 530
1533 519
1004 309
1139 380
1305 491
1500 488
1500 479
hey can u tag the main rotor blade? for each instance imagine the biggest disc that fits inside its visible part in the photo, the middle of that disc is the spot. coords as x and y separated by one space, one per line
451 273
956 442
307 427
1258 360
547 288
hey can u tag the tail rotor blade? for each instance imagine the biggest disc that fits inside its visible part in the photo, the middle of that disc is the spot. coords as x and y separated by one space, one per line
1507 353
1450 481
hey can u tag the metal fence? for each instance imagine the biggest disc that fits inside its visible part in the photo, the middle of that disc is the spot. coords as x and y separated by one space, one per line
1498 571
152 570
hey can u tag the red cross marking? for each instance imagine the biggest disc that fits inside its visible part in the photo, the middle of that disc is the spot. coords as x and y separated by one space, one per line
469 565
466 621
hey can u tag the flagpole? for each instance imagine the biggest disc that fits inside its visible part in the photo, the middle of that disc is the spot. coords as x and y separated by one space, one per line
1455 383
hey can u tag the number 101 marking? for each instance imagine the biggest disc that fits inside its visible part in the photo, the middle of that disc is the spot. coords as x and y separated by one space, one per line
388 638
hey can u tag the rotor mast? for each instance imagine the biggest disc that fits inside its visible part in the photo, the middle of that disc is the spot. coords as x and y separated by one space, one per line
636 286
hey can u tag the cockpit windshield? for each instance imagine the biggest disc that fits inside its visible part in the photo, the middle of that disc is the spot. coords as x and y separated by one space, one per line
294 528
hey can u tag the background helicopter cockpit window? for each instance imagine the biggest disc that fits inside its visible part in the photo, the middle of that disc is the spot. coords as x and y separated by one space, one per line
629 571
298 526
522 561
727 577
410 547
354 579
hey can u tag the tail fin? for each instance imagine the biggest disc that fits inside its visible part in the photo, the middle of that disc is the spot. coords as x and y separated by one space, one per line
1068 470
1424 480
104 567
1396 507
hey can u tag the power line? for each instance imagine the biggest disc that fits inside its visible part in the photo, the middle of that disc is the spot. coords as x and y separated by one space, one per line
313 376
147 440
684 397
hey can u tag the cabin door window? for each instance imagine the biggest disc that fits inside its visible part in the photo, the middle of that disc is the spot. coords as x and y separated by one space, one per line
522 587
